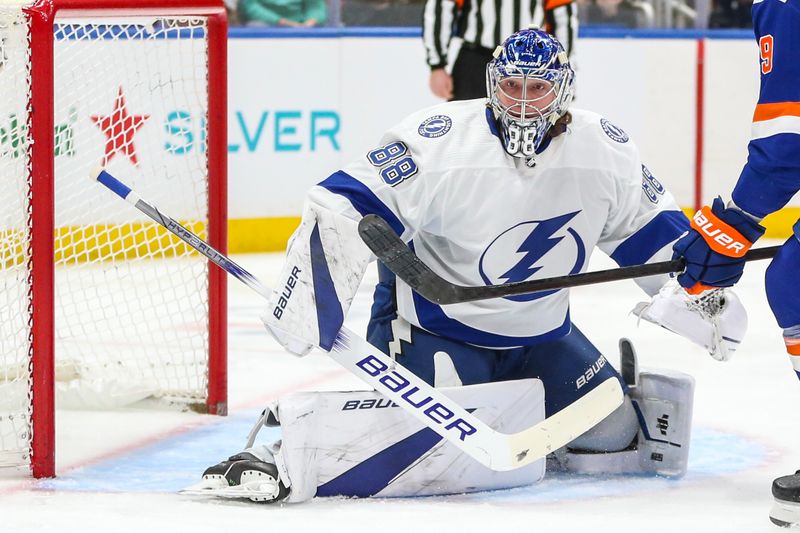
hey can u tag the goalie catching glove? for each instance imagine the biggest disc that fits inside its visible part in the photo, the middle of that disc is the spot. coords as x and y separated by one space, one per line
715 320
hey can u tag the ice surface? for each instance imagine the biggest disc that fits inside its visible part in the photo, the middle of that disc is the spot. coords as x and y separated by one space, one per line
119 470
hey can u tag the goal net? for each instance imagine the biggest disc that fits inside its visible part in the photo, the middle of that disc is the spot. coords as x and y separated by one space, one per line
98 304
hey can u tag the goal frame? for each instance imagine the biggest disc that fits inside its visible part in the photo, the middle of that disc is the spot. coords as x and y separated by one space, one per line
42 15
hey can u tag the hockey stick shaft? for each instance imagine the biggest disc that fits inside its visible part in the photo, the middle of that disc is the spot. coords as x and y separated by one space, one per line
434 409
404 263
176 228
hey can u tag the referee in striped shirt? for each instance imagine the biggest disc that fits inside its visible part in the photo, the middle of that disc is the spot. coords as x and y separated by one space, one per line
470 30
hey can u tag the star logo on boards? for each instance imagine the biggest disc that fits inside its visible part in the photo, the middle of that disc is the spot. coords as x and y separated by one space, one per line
119 128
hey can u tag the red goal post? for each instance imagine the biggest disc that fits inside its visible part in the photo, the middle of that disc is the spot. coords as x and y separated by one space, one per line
158 120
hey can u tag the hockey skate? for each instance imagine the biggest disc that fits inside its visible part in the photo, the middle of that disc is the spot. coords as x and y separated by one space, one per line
786 510
242 476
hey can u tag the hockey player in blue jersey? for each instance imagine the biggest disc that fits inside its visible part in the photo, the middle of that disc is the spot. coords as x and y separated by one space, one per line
519 186
768 181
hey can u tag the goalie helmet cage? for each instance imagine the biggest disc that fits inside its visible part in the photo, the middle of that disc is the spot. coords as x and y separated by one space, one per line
89 291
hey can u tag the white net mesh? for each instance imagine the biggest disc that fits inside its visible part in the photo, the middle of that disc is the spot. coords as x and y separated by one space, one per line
131 95
15 352
131 311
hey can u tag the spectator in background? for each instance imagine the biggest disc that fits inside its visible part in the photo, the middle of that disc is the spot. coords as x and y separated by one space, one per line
731 14
286 13
609 13
381 12
230 10
470 31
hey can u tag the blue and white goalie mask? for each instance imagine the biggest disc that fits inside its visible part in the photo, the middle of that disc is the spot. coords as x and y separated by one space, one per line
530 84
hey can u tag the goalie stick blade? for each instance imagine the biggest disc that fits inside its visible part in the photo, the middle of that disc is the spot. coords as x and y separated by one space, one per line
387 246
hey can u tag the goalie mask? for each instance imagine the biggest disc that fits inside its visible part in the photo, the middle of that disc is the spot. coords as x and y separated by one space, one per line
530 85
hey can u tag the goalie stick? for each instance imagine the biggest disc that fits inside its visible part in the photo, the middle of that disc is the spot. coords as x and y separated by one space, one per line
390 250
498 451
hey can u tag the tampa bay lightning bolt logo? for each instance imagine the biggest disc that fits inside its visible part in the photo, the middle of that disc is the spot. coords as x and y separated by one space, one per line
546 246
435 126
615 132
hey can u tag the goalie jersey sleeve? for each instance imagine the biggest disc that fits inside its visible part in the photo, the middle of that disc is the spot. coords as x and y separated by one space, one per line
643 224
478 216
772 173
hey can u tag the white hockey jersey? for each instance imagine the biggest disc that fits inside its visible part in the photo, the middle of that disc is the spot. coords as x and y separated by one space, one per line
478 216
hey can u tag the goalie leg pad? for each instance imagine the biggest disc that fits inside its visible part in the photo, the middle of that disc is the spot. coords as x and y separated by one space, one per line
361 444
614 433
617 431
663 403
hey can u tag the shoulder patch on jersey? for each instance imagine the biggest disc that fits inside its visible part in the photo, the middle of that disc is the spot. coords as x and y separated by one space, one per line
435 126
615 132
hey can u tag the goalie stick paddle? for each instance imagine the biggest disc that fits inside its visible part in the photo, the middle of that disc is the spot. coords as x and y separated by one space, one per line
498 451
387 246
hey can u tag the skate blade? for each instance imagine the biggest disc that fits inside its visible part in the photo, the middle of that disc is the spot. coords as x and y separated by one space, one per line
262 492
785 514
209 483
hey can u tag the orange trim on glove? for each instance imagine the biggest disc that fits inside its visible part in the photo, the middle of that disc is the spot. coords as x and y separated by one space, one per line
699 288
720 236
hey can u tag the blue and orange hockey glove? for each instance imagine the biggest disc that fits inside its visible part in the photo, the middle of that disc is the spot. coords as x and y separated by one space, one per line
714 247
